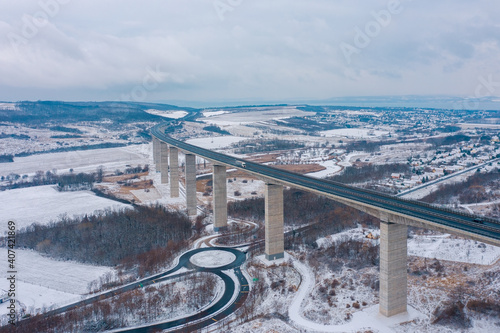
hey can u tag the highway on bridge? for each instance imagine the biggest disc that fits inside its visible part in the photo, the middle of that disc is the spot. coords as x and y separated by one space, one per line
462 223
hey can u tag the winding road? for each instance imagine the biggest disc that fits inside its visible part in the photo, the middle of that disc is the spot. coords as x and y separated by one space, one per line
222 308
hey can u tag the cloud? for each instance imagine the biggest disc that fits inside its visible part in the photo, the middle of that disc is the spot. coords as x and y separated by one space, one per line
260 50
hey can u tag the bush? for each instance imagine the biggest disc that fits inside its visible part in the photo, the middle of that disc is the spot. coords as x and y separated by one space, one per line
451 313
488 307
216 129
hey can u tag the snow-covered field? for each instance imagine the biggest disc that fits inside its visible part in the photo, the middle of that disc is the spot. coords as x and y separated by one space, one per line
213 113
167 114
331 168
42 204
249 117
216 142
8 106
354 133
42 281
80 161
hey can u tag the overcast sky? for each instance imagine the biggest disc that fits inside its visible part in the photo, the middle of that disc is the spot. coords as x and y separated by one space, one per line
254 50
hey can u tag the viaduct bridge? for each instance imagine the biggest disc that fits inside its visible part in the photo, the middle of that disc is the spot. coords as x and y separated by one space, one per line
395 214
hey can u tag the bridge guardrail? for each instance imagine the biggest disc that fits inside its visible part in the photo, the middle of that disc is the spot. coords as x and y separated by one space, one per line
401 205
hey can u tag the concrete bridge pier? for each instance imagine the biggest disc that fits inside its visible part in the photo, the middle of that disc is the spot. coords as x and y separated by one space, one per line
164 162
155 153
174 172
219 197
393 274
158 155
191 184
275 238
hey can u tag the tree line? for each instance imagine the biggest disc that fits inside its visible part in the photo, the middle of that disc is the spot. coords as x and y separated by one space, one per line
67 181
371 172
257 146
366 146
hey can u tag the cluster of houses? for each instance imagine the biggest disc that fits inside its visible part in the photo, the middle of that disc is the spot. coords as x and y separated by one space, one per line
446 163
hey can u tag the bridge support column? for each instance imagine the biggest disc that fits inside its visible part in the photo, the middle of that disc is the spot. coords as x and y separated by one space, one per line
155 153
393 275
164 162
191 184
174 172
220 197
158 155
275 238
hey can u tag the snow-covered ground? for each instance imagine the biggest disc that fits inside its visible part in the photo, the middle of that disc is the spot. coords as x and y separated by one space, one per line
246 189
213 113
42 281
176 303
354 133
167 114
250 117
444 247
331 168
358 234
42 204
216 142
212 259
162 194
368 318
349 158
421 301
79 161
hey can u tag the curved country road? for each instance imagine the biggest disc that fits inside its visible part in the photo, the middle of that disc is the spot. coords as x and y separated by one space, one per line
215 312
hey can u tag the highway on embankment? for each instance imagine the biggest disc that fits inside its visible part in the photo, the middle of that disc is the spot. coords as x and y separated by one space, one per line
486 229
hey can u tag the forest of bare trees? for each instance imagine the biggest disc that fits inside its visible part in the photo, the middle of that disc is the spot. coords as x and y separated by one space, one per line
301 208
111 237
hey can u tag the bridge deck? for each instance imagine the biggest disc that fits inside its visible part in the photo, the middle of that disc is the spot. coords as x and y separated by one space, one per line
486 229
